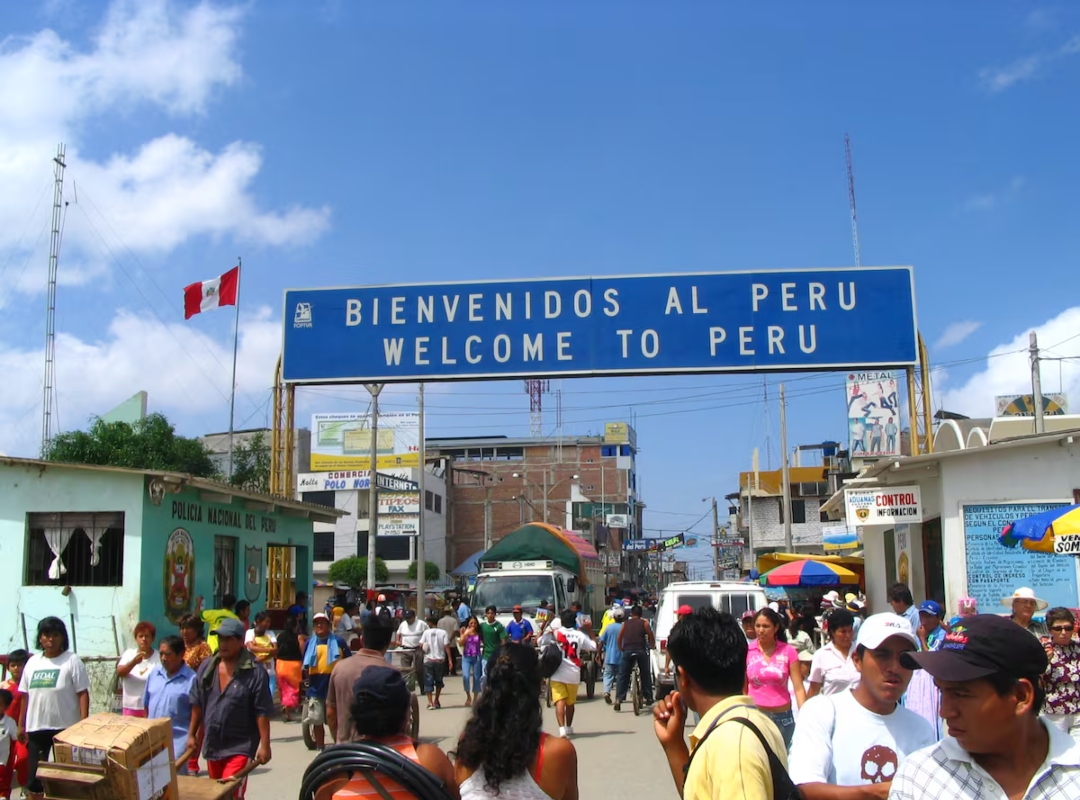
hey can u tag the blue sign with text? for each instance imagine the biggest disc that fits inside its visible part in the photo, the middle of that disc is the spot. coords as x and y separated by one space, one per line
814 319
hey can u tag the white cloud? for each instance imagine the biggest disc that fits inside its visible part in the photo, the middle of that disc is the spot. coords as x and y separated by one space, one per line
166 190
988 201
185 371
998 79
1007 368
957 332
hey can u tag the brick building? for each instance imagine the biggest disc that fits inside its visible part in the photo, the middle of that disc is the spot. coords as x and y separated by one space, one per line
497 484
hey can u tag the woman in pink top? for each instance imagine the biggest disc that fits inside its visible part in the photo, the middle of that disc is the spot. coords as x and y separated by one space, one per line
770 663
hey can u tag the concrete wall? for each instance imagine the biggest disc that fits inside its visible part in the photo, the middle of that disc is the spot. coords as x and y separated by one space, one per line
92 610
204 520
769 531
348 529
1042 472
1048 472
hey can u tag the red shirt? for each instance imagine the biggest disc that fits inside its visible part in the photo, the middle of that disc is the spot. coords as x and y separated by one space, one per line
17 698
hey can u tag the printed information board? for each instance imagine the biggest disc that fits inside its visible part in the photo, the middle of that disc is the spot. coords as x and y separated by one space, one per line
995 571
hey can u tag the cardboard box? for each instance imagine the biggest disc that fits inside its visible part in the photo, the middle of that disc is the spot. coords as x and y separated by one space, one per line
135 755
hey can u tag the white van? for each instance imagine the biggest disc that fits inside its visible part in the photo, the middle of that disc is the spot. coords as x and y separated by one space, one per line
733 597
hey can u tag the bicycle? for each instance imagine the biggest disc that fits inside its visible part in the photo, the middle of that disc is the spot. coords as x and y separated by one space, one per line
635 689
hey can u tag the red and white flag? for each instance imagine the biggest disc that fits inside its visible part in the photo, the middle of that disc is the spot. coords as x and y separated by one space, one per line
203 296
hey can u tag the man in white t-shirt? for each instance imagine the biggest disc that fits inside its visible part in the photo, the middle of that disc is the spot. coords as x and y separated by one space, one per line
408 639
564 683
435 643
849 745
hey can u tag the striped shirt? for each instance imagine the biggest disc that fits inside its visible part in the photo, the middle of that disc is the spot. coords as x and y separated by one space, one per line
947 771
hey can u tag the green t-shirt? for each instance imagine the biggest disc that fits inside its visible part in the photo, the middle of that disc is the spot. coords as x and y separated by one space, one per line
491 634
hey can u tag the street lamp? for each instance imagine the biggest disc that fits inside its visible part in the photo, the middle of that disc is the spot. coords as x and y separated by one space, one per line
546 489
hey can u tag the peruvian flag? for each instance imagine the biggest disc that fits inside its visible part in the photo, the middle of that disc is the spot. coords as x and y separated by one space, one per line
203 296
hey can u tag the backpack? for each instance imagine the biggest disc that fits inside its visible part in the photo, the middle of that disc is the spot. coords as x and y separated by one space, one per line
551 657
385 617
783 787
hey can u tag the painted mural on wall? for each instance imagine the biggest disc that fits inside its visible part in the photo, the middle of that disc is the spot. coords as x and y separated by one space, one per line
179 575
254 568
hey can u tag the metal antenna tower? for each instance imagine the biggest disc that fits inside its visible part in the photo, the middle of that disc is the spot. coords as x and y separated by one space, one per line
536 389
851 198
50 303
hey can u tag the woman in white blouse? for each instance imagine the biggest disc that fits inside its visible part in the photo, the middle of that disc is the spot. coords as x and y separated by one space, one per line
832 670
134 668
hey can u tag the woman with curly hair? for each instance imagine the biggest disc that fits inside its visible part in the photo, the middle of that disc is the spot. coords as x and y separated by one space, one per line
503 753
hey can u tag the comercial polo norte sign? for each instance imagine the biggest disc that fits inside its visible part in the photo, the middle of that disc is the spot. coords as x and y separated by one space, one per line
620 325
890 506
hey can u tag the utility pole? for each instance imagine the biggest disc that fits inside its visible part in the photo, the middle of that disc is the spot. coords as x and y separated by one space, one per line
545 495
785 473
487 518
715 541
373 488
421 563
1036 383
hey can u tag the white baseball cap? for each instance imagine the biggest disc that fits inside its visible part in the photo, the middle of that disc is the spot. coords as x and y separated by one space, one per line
876 628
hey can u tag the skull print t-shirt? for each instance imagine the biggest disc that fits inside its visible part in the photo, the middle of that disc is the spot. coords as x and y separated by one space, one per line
838 741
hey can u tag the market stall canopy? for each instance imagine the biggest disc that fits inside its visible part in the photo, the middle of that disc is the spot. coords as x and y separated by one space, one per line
470 566
809 573
1039 531
539 541
773 560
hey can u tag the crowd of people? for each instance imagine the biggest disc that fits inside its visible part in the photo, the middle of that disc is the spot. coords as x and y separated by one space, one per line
829 702
902 704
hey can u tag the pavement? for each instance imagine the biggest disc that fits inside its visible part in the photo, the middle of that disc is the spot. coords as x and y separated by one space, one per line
617 752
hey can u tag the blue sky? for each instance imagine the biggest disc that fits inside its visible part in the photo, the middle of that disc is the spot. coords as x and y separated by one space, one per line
351 143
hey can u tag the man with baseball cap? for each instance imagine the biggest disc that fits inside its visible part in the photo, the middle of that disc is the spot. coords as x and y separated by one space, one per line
989 670
520 629
848 745
231 708
321 654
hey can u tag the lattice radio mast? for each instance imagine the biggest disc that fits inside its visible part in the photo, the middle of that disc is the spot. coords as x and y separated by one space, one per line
50 303
851 198
536 389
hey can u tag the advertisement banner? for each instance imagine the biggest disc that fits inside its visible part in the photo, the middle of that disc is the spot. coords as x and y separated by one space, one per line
343 441
873 410
399 525
1023 405
619 433
349 479
896 504
392 503
749 321
839 537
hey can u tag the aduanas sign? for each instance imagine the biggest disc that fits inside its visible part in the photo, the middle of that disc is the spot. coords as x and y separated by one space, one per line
888 506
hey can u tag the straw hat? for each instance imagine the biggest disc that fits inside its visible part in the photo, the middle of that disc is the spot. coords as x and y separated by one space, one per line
1024 593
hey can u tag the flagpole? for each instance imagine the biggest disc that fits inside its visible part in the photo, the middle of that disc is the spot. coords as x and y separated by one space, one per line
236 340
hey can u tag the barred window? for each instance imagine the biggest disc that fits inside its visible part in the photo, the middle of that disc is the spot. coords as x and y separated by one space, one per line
74 549
224 568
